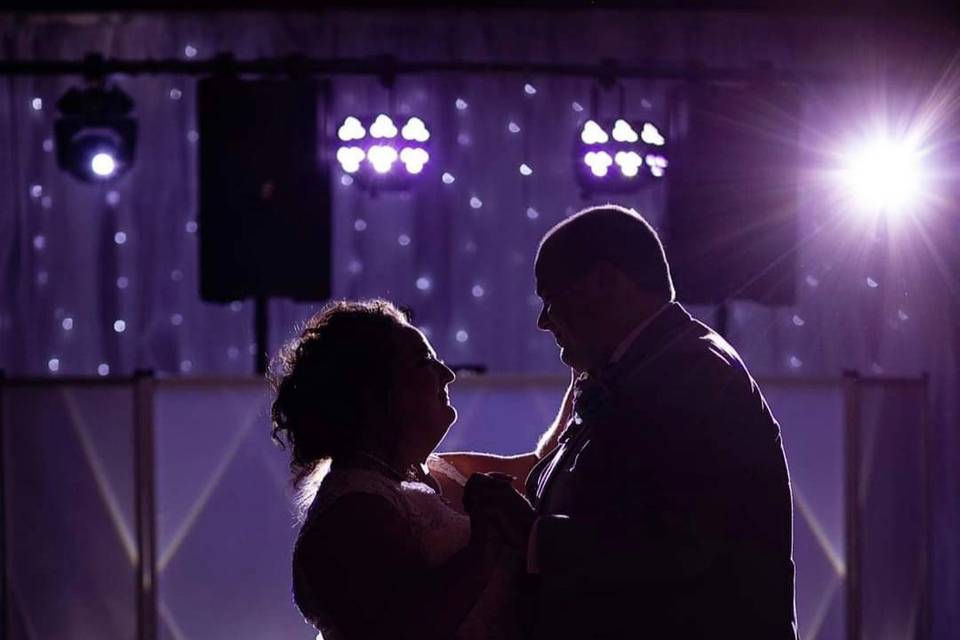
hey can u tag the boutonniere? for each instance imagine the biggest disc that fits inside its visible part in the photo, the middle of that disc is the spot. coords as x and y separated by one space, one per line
592 398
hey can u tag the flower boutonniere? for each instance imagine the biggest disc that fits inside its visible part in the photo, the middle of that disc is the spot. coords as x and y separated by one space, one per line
592 398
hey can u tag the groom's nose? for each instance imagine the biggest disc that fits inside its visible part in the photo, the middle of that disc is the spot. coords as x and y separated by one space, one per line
543 320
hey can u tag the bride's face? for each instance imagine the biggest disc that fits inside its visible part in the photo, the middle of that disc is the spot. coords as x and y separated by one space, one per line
420 403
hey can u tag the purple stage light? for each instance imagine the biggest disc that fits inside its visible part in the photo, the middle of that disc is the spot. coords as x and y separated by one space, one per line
383 127
623 132
350 158
383 152
598 161
351 129
883 176
103 165
593 134
382 158
636 148
414 159
415 130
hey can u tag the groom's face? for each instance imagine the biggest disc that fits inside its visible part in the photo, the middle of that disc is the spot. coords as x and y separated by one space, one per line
569 312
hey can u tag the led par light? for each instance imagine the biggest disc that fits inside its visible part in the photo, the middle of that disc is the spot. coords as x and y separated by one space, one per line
618 155
382 152
95 136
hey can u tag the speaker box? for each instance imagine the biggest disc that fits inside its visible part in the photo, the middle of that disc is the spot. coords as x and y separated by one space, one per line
265 202
731 223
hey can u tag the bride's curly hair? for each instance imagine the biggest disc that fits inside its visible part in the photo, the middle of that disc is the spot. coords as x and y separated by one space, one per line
327 378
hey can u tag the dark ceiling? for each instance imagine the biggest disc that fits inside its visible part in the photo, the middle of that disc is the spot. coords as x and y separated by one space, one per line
869 8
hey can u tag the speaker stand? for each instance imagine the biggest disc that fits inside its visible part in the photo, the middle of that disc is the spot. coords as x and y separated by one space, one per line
260 330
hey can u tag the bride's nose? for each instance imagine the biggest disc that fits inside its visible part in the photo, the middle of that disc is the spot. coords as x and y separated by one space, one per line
447 374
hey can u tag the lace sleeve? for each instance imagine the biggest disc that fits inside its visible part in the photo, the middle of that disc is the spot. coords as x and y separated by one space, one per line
440 467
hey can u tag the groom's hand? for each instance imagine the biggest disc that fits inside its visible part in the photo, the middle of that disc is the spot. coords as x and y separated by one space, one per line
494 506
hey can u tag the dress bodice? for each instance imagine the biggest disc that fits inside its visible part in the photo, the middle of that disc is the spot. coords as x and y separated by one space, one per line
439 530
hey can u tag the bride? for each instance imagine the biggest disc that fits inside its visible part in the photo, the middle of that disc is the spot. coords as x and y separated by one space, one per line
394 543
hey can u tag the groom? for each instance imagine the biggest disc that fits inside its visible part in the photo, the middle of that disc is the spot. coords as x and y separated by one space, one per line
665 510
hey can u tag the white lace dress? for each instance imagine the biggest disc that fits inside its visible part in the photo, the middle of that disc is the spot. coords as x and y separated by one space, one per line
440 532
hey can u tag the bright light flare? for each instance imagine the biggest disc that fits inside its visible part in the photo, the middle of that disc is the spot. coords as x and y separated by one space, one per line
884 175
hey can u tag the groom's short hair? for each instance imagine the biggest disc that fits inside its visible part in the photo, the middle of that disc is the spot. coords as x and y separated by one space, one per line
613 233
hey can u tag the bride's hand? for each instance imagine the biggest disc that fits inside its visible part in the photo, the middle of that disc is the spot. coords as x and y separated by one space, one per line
497 510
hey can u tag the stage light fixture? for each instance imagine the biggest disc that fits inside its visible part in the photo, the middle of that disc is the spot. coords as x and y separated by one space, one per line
95 135
618 155
383 152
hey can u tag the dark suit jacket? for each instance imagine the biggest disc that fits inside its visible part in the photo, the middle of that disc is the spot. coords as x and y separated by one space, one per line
677 498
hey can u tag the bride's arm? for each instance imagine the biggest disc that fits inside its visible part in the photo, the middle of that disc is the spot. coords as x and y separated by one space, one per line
368 572
518 466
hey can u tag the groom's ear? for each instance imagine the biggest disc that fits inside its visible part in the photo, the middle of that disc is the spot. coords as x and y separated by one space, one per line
606 277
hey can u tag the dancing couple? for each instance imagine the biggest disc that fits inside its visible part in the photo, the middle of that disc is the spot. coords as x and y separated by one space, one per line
656 506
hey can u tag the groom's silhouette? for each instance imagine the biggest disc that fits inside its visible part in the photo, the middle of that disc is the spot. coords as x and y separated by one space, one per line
665 512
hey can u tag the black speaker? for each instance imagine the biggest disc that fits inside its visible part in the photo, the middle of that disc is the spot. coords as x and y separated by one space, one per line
731 223
265 202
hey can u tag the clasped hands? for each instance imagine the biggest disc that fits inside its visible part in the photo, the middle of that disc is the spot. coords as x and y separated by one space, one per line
497 511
